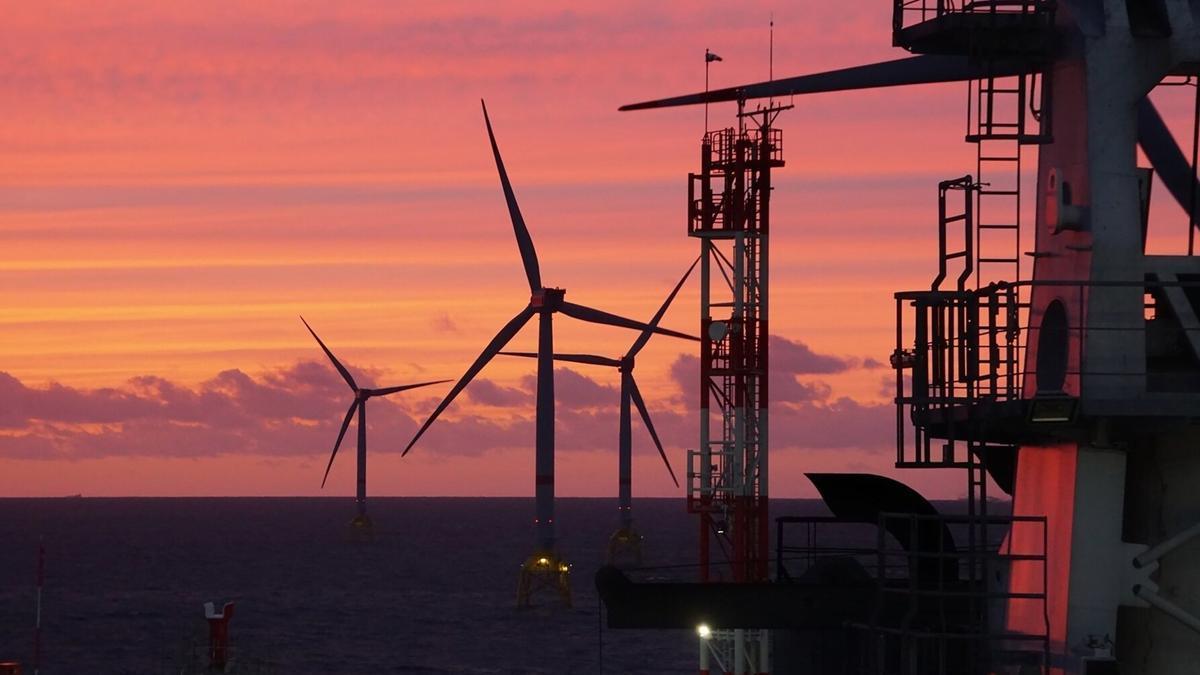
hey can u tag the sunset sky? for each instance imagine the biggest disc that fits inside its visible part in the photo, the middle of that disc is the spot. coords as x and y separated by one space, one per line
181 181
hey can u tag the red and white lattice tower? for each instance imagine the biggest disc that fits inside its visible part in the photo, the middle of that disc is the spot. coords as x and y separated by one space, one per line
729 212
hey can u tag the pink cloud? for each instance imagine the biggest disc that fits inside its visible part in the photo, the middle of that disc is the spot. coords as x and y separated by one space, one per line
790 360
804 413
443 323
284 411
575 390
486 392
295 411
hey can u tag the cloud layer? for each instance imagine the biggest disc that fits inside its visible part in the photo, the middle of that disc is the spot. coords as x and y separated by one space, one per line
295 411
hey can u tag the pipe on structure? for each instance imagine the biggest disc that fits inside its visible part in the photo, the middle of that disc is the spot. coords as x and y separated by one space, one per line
1152 555
1167 607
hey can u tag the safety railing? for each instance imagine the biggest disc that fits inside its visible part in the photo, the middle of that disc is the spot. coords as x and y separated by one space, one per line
962 355
981 29
803 543
724 196
905 13
940 582
950 612
730 146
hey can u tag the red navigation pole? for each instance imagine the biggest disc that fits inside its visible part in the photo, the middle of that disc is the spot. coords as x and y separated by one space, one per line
218 634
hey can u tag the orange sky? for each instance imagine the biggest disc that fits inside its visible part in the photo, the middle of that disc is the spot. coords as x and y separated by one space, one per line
179 183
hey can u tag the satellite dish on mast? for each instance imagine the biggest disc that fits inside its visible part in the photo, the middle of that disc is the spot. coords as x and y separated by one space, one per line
717 330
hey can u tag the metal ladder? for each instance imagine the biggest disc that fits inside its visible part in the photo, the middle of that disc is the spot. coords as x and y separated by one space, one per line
998 126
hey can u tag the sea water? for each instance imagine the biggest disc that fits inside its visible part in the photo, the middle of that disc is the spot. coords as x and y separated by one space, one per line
435 592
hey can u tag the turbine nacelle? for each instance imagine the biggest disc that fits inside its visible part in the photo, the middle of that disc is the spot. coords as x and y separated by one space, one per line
547 299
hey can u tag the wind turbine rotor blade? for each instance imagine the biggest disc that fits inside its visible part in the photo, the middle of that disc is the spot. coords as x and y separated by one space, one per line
502 338
645 336
341 434
524 241
641 406
1164 154
386 391
333 359
925 69
573 358
596 316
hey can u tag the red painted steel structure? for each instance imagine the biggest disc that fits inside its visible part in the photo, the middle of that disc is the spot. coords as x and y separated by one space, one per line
729 212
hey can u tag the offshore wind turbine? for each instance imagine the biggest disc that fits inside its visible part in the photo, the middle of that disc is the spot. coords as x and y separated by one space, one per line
361 521
545 568
626 537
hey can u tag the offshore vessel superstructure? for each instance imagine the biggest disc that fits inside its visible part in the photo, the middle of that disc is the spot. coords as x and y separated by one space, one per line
1075 390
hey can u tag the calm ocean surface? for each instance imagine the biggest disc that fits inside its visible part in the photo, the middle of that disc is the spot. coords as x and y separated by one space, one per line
435 593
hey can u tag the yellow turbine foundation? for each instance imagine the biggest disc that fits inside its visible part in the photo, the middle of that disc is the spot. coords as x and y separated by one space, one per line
625 546
361 528
544 572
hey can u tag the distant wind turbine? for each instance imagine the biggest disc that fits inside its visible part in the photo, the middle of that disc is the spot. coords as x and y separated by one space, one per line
545 303
626 538
361 396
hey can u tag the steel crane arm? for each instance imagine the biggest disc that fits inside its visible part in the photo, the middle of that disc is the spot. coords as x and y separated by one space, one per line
925 69
1169 162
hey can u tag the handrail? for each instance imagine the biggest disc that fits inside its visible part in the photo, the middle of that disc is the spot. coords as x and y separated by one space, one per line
963 356
907 13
